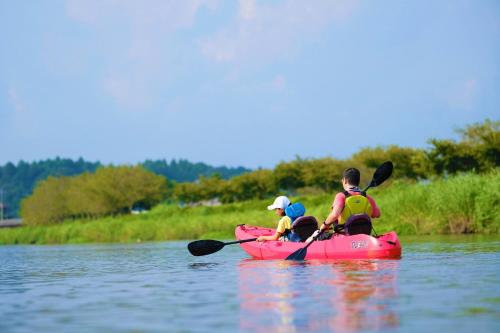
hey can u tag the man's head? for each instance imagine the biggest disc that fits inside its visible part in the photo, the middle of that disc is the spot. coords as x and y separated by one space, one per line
351 176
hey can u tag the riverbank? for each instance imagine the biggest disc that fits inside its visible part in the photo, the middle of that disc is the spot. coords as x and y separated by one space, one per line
463 204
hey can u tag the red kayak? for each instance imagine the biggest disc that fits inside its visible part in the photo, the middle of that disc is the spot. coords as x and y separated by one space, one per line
386 246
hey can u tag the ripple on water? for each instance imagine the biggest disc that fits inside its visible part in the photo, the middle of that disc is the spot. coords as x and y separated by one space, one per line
159 287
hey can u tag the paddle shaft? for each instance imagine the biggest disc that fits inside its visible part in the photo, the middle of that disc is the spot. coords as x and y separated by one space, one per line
366 188
315 238
241 241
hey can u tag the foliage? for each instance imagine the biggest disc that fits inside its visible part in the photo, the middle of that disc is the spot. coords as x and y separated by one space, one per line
258 184
18 181
289 175
478 150
187 192
185 171
468 203
110 190
48 203
407 161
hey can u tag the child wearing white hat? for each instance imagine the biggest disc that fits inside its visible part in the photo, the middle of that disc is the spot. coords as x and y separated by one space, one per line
279 205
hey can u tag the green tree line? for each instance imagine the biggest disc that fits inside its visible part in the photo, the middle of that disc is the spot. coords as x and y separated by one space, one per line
478 150
115 190
108 191
17 181
184 171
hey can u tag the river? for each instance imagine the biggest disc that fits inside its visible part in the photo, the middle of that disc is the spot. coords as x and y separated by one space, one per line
447 284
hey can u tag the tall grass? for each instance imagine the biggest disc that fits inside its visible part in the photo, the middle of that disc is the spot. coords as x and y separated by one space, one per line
463 204
466 203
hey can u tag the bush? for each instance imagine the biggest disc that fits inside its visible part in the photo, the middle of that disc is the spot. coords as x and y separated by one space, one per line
110 190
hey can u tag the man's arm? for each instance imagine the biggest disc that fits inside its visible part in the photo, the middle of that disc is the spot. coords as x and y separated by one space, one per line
375 210
333 216
338 206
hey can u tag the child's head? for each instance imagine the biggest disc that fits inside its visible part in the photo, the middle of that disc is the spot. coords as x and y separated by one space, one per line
279 205
351 176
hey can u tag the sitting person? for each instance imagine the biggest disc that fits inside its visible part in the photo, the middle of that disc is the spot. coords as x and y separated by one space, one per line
342 210
288 213
295 212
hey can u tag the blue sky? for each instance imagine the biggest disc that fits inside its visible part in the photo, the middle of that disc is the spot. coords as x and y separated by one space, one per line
247 83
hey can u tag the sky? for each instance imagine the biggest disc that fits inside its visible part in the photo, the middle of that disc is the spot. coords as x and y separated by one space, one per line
241 83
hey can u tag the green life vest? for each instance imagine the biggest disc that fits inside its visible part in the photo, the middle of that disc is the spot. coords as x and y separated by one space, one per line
355 204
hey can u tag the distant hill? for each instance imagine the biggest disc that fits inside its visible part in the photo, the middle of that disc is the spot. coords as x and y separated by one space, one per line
185 171
18 180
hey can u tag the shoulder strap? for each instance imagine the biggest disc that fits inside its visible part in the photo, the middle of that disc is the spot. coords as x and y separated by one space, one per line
347 194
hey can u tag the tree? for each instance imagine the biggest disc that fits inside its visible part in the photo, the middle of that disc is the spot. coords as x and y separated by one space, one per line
478 150
120 188
289 176
324 173
110 190
258 184
47 204
407 161
187 192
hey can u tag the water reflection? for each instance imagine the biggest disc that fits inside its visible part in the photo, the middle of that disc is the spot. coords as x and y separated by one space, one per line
364 290
340 296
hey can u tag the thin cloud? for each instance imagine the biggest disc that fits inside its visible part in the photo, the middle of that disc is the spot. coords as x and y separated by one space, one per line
247 9
15 100
279 82
126 92
149 15
143 57
263 32
137 39
23 123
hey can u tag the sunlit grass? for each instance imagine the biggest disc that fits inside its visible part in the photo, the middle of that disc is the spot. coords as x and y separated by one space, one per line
463 204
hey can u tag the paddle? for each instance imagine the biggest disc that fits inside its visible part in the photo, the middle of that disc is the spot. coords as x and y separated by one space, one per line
208 246
383 172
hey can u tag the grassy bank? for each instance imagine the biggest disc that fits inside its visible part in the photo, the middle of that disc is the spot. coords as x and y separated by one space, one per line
463 204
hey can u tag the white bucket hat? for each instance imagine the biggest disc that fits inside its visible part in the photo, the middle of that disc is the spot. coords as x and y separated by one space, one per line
280 202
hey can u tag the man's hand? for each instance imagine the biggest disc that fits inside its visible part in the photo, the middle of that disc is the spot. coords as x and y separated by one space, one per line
261 239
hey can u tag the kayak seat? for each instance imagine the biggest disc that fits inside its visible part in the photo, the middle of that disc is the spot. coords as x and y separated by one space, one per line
304 227
358 224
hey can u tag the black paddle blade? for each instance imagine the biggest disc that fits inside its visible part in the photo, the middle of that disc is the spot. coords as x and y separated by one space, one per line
383 172
300 254
204 247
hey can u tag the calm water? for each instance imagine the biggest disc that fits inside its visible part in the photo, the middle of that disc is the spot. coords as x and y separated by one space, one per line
446 284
